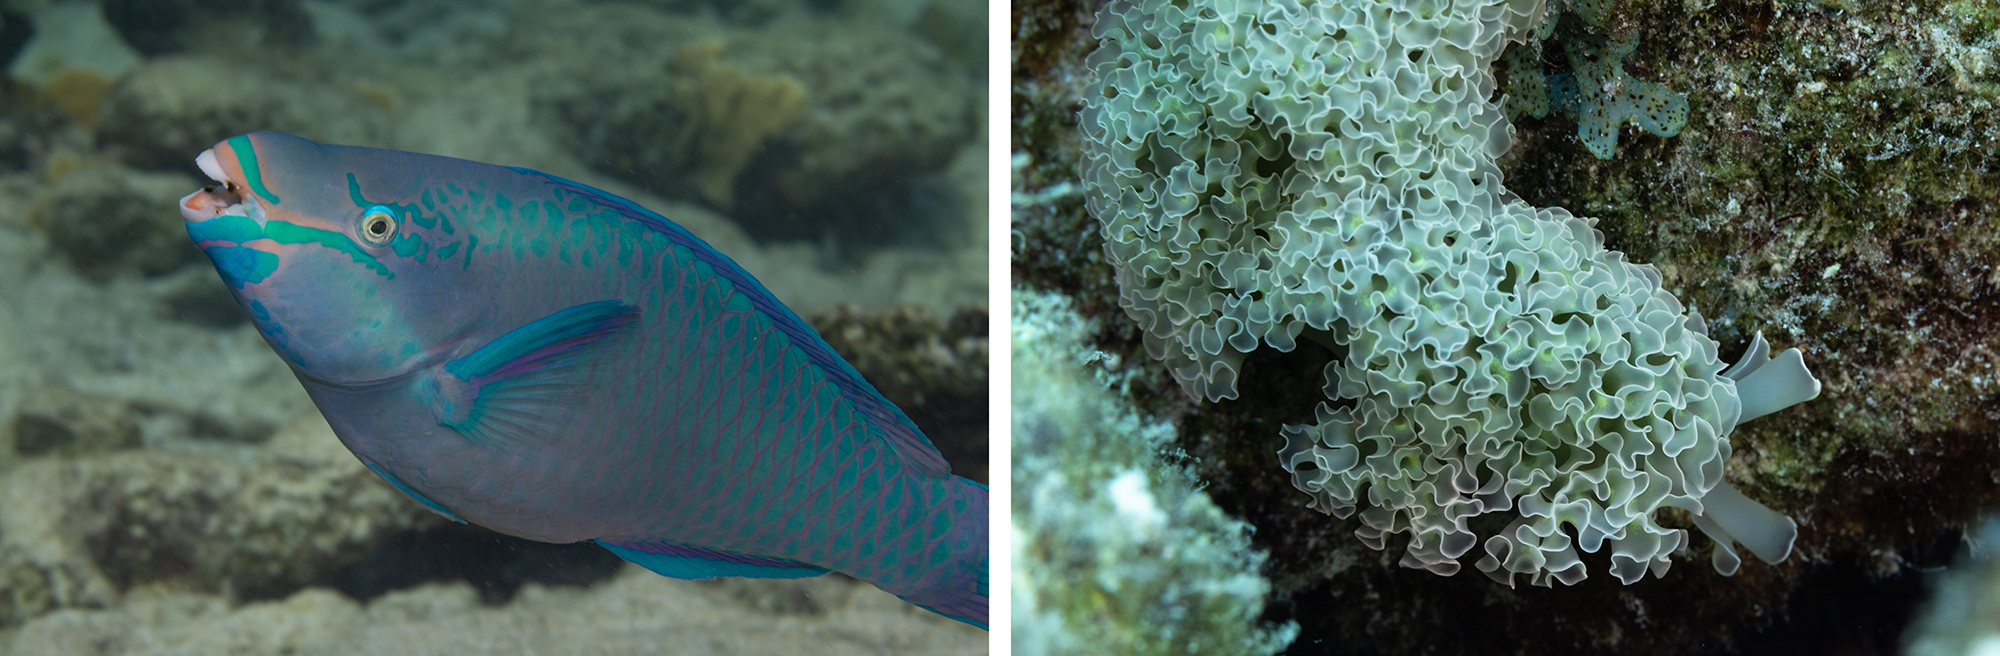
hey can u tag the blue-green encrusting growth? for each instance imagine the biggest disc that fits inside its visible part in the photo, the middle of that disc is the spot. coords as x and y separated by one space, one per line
1275 173
1595 91
1115 550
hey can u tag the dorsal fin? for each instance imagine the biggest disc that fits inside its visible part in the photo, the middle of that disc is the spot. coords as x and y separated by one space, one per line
902 434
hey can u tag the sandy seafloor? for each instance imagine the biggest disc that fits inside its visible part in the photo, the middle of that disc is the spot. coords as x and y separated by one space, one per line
165 485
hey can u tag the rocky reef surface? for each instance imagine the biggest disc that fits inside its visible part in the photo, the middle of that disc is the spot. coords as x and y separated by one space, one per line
1117 550
170 489
1833 187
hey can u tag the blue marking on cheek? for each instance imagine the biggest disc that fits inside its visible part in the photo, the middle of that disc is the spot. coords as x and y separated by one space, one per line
240 265
264 323
229 228
273 331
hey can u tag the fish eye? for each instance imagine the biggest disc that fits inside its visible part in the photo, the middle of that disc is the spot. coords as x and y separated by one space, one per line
378 224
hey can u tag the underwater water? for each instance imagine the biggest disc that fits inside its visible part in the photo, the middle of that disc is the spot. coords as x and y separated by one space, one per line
166 486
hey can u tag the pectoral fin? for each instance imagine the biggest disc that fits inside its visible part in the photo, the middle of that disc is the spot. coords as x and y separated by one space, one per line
525 384
433 505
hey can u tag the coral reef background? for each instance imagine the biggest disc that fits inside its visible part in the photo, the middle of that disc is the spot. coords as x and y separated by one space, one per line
170 489
1835 187
1116 548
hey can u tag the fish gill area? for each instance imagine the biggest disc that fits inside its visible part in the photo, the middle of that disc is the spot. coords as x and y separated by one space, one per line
166 487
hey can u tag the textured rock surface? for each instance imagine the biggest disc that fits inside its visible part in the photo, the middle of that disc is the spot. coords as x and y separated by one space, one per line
179 104
1818 135
880 114
157 28
107 219
72 57
886 112
267 523
1116 548
634 613
58 420
24 126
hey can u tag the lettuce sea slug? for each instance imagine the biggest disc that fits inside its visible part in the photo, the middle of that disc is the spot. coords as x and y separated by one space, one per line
1271 171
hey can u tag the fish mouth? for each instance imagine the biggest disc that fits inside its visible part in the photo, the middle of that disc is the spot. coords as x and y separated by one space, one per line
225 199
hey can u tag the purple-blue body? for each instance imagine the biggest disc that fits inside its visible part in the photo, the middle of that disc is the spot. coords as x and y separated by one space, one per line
542 358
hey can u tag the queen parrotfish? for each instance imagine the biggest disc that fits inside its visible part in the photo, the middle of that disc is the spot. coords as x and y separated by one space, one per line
526 353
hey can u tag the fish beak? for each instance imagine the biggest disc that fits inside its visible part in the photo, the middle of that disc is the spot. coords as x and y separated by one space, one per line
214 200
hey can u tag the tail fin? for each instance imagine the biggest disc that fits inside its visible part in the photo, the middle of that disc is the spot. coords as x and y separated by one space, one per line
963 598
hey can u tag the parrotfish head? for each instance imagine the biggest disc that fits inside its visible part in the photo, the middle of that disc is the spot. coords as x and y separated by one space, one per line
331 278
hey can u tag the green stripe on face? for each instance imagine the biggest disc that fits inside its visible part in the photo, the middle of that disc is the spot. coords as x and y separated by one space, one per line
247 156
241 229
289 233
